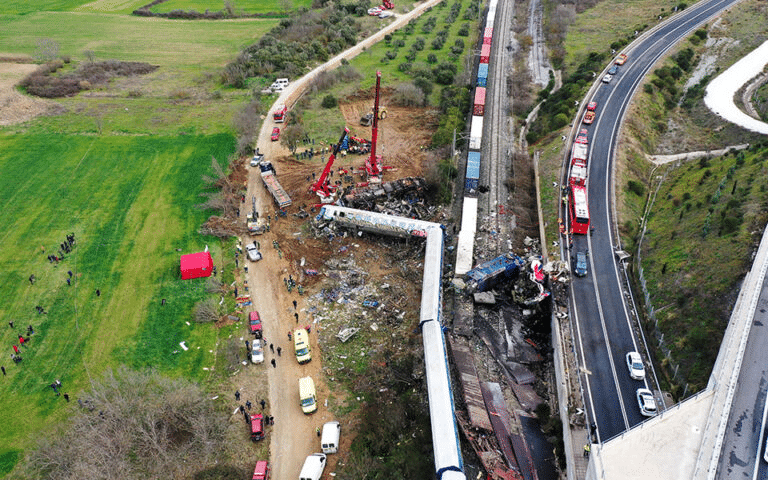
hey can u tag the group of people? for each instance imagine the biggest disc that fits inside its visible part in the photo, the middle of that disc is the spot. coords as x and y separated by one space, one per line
246 409
64 247
23 341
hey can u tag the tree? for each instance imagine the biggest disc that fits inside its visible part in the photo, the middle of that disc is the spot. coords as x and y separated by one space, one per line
329 101
291 137
134 424
47 49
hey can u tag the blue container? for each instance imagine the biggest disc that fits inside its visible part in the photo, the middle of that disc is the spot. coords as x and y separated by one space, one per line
473 171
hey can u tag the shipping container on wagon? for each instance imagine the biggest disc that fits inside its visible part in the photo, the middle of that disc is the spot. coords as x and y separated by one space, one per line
476 133
482 75
479 108
485 54
473 172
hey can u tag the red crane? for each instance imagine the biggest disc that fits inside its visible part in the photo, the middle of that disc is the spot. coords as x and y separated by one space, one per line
322 187
373 163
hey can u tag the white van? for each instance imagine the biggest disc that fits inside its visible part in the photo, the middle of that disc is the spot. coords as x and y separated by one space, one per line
329 442
313 467
307 395
282 81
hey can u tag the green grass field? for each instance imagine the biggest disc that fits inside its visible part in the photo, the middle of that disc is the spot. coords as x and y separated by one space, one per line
611 20
187 44
128 200
246 6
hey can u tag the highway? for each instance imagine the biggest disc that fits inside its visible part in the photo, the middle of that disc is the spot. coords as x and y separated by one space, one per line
604 331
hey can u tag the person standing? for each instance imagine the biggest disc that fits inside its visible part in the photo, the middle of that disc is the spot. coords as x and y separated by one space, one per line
3 369
274 364
248 405
272 348
237 395
263 403
279 350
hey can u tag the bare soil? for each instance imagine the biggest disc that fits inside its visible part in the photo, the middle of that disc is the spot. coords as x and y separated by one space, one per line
402 137
16 108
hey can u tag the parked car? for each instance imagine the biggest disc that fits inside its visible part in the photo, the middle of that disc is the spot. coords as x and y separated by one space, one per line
254 254
580 269
582 137
607 78
621 59
613 70
257 351
646 402
261 472
254 323
275 134
592 106
635 366
257 427
589 117
386 14
374 11
257 158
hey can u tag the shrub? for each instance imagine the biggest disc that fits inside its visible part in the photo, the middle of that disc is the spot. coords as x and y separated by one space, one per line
636 187
463 30
431 58
329 101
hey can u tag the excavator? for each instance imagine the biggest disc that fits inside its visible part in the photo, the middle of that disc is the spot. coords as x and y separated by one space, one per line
254 224
323 187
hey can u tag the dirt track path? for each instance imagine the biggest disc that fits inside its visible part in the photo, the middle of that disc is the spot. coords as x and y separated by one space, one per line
293 436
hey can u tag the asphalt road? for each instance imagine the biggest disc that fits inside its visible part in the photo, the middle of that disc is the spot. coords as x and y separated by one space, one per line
604 330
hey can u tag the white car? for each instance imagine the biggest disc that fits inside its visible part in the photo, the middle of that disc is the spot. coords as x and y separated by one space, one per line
386 14
607 78
635 366
257 352
254 254
257 158
374 11
646 402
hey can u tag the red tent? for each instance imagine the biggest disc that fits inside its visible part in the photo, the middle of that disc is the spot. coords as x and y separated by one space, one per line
196 265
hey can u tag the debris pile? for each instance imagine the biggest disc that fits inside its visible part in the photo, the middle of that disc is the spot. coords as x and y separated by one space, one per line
404 197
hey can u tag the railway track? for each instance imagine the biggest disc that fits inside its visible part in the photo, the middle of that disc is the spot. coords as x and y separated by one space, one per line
498 130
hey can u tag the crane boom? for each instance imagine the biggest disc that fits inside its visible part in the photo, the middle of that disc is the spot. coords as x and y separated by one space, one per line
373 166
321 187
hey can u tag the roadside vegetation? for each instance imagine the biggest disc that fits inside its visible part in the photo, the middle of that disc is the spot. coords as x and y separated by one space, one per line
706 219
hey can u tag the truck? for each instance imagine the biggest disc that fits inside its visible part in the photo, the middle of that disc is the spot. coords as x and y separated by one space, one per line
580 152
269 177
488 274
279 114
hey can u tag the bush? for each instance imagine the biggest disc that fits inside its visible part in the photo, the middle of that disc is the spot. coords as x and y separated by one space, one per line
463 30
636 187
206 311
329 101
177 433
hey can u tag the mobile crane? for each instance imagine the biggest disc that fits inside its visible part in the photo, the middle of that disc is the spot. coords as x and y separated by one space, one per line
373 163
322 187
